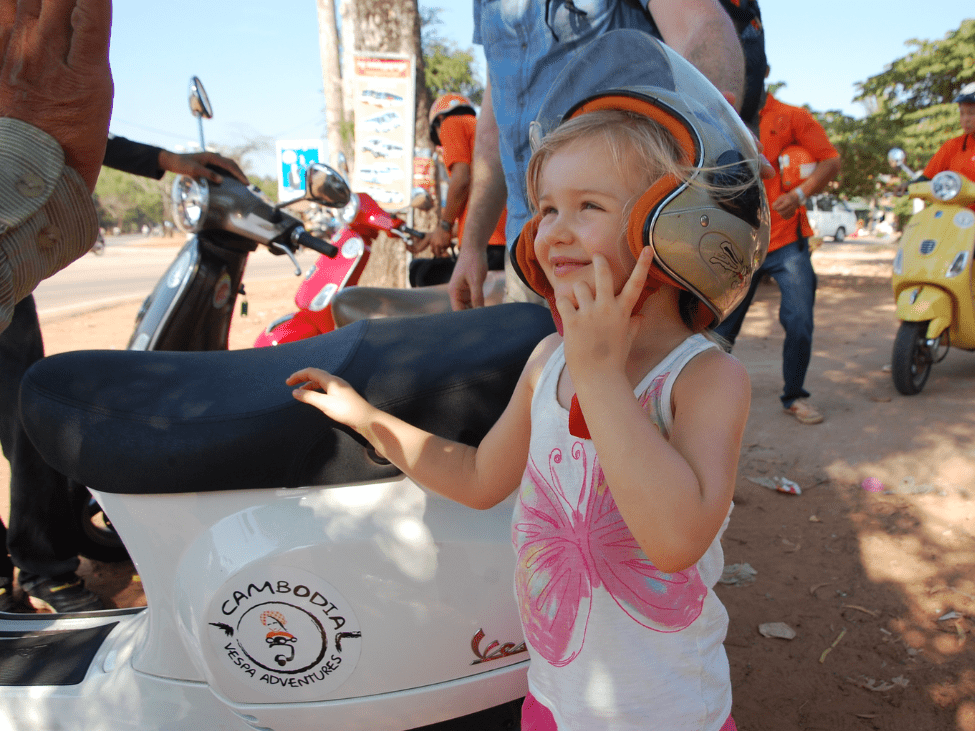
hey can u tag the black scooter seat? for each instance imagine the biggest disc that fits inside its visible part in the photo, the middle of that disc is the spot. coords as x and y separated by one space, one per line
160 422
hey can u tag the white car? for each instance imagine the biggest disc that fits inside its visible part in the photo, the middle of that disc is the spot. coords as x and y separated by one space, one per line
831 217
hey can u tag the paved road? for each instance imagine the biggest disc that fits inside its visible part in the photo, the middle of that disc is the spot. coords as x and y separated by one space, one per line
128 272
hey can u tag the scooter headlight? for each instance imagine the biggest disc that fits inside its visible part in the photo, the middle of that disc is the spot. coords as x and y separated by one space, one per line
191 198
347 215
958 264
946 185
899 262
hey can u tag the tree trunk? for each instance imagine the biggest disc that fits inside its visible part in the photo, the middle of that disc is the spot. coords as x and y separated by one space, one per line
328 42
347 15
393 26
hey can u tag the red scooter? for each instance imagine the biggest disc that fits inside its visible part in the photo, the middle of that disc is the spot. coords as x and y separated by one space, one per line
354 228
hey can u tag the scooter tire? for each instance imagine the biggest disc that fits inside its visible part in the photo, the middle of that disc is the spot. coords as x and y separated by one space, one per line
95 537
912 358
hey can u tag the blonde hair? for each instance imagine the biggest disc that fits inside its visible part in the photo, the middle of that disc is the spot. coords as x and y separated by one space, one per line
637 144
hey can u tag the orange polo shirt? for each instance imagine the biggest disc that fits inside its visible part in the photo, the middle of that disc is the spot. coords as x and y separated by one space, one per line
956 154
457 143
781 125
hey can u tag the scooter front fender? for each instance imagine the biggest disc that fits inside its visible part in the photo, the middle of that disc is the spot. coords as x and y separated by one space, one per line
926 303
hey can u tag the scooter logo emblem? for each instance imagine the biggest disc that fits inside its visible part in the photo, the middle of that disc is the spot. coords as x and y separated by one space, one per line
289 633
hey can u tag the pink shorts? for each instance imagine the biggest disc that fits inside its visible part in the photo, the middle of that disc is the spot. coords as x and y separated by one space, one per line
536 717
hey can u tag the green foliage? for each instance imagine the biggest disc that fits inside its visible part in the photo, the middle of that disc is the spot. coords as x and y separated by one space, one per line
267 184
447 68
129 201
863 146
912 98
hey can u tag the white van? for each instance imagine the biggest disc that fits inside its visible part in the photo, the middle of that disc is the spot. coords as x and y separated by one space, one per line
830 216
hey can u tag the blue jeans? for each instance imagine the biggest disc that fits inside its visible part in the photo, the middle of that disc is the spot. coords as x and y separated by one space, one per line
792 270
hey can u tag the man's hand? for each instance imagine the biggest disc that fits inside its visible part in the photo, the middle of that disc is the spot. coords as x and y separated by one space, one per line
467 281
786 205
194 164
55 74
438 240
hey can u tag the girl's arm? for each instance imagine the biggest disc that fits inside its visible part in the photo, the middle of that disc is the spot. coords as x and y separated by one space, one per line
674 495
479 477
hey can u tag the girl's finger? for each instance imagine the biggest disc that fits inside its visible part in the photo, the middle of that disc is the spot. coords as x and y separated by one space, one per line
603 277
583 295
306 374
638 278
566 307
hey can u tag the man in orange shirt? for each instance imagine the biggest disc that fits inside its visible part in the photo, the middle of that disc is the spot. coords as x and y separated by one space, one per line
958 153
788 262
452 127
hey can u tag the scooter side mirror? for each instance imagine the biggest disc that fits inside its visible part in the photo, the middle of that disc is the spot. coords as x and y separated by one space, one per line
199 101
326 186
896 158
421 200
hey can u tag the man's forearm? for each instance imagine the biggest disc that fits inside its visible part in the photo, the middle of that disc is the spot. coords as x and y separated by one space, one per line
489 193
703 33
47 218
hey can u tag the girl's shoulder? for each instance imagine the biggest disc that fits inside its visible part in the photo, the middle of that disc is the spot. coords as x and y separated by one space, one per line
537 361
714 375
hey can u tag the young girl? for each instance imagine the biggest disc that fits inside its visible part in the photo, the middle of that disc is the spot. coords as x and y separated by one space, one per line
622 435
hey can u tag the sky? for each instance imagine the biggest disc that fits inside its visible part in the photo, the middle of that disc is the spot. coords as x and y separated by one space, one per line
260 63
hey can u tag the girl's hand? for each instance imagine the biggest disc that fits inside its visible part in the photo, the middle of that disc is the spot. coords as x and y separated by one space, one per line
599 329
332 396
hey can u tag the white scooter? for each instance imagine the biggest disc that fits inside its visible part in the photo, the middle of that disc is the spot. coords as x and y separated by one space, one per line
294 579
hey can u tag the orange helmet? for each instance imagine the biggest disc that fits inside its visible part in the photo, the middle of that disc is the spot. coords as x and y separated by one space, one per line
447 105
795 165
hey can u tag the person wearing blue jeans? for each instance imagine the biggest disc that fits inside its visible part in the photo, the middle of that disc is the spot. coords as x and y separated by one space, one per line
791 268
782 127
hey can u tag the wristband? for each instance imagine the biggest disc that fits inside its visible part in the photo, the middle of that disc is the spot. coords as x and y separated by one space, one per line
446 225
801 196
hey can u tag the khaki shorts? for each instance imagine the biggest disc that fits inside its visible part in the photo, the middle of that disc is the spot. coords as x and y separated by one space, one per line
517 291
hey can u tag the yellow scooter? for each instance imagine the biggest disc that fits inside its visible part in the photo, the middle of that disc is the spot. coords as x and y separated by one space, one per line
933 282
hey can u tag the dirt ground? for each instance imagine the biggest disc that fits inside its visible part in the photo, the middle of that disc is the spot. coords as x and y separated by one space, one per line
879 588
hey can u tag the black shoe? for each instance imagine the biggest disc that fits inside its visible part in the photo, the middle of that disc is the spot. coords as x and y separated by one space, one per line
9 602
63 594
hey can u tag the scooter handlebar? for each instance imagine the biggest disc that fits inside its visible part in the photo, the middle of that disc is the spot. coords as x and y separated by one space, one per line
412 232
303 238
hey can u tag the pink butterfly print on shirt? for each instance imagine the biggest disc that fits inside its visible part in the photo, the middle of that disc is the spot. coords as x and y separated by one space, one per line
566 551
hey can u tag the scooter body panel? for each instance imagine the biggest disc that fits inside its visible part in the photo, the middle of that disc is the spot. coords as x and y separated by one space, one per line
192 305
926 303
297 326
937 239
329 275
113 695
376 589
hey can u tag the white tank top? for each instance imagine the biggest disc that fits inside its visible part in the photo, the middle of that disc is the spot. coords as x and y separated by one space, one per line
615 643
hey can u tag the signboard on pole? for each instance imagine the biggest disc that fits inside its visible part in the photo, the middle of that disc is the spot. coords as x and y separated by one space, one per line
293 157
384 90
